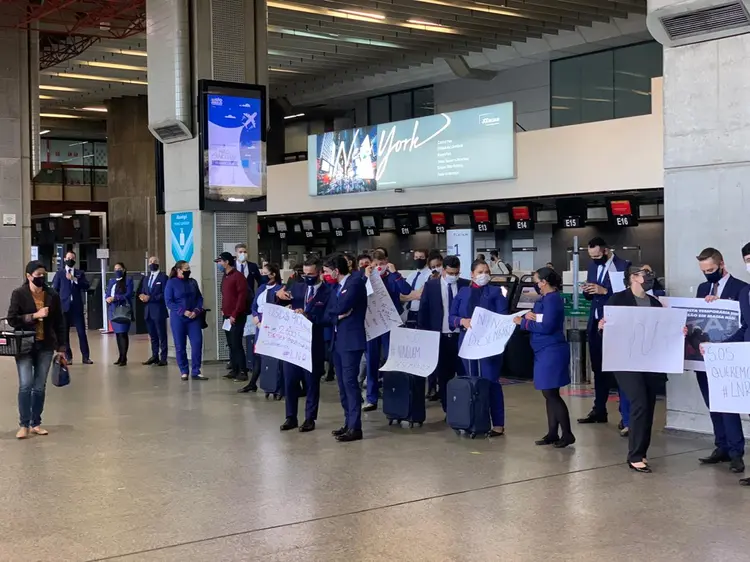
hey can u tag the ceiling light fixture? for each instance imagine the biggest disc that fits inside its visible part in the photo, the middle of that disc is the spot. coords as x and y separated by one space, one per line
114 65
43 97
59 88
333 37
44 132
369 15
294 116
427 26
96 78
96 109
60 116
287 70
476 6
55 215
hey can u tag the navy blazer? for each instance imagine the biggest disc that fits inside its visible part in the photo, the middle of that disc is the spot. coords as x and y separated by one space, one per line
430 314
71 294
731 291
156 307
551 330
270 298
743 334
315 311
349 334
182 295
490 298
397 286
598 301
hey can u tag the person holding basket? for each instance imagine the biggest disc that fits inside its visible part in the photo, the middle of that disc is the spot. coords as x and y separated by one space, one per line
35 311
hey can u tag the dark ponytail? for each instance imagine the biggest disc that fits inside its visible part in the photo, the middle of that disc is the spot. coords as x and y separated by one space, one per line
550 276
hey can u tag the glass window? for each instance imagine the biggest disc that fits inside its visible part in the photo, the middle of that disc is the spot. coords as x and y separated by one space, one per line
401 107
634 67
379 110
424 102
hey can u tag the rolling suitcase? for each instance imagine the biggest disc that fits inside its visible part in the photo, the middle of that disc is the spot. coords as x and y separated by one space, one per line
403 398
468 405
271 377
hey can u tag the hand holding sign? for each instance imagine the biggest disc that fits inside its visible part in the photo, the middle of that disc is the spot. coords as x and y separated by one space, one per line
413 351
488 335
382 315
728 373
285 335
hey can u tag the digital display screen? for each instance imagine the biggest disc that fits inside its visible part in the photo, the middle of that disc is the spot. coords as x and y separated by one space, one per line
235 147
307 224
337 223
621 208
281 226
571 213
528 297
521 213
437 218
622 212
471 145
368 221
481 215
325 227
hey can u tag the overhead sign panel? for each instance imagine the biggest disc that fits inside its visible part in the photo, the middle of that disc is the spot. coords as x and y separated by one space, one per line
472 145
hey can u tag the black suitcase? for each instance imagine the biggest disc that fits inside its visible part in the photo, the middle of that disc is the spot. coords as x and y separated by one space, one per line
468 405
271 377
403 398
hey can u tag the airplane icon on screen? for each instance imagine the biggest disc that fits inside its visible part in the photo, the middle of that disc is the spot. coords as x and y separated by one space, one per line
249 120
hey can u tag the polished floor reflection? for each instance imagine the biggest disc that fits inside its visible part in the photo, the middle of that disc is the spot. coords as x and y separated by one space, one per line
140 466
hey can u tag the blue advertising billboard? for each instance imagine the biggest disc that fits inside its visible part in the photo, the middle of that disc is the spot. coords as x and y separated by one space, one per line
472 145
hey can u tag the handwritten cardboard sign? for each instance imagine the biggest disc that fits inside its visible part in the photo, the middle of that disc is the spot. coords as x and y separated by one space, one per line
382 315
285 335
413 351
728 373
488 335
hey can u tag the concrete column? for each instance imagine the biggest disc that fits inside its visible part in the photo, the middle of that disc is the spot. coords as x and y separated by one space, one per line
227 43
706 180
15 157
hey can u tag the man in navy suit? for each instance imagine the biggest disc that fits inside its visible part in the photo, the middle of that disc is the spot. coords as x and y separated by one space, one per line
249 269
308 297
597 289
347 307
728 436
434 309
71 283
151 293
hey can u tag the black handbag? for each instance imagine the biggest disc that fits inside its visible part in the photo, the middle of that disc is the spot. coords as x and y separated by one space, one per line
60 374
122 314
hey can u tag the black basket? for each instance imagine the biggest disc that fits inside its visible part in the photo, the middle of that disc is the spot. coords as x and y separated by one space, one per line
15 342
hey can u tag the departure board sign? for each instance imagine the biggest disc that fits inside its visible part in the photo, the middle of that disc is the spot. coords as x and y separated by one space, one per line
521 218
571 213
437 222
471 145
480 218
337 225
369 226
621 212
404 226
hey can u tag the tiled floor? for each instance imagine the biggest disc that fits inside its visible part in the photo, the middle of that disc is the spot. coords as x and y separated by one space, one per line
140 466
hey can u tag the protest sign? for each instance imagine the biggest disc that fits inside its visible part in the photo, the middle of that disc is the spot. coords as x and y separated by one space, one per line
382 315
644 340
488 335
285 335
413 351
706 322
728 371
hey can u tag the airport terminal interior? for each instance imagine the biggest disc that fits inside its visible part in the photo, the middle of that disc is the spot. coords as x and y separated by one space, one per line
149 137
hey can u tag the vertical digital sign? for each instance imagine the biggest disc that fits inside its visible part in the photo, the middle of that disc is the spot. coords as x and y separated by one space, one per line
369 226
480 218
437 222
521 218
622 212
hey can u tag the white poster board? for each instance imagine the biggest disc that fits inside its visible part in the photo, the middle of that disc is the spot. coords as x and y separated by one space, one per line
706 322
285 335
488 335
728 372
643 339
413 351
382 315
460 243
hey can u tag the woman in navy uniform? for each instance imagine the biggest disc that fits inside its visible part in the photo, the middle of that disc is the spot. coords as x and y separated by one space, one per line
481 294
120 292
551 354
185 303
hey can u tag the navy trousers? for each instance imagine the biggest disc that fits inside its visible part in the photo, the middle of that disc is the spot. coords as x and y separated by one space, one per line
76 318
728 435
376 349
157 332
293 377
182 332
347 369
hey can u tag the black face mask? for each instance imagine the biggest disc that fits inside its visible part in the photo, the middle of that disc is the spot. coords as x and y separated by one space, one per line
70 263
648 284
186 274
38 281
714 276
154 267
602 260
420 263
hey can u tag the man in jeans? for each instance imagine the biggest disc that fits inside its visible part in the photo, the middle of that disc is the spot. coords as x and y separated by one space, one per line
234 309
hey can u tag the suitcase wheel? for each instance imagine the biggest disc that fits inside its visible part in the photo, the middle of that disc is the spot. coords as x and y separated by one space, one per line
472 435
390 422
421 424
458 432
277 397
411 425
267 395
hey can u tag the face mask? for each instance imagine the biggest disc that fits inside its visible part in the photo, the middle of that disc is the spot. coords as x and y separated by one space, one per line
451 279
119 273
264 279
482 279
538 289
382 270
220 268
242 257
602 260
715 276
647 284
311 280
186 274
330 279
438 270
154 267
38 281
747 265
70 263
420 263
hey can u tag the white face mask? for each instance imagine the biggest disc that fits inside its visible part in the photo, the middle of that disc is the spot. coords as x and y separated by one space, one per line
242 257
438 269
451 279
482 279
747 265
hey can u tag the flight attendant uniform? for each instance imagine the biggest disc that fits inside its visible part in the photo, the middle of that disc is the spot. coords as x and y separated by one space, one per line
551 349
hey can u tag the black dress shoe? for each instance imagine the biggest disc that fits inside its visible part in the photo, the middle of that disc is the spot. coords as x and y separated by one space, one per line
737 465
494 433
229 376
162 364
229 365
151 361
369 407
593 417
340 431
242 377
248 388
115 363
289 423
745 482
199 378
547 440
87 361
621 425
329 378
564 441
307 425
718 456
350 435
643 469
123 363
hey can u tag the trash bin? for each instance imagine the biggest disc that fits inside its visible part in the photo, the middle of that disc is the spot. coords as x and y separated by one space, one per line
578 368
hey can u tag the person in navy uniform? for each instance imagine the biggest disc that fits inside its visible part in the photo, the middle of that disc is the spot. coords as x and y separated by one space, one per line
120 292
728 436
308 297
481 294
598 290
185 303
377 348
546 323
70 283
151 293
435 303
248 268
347 307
